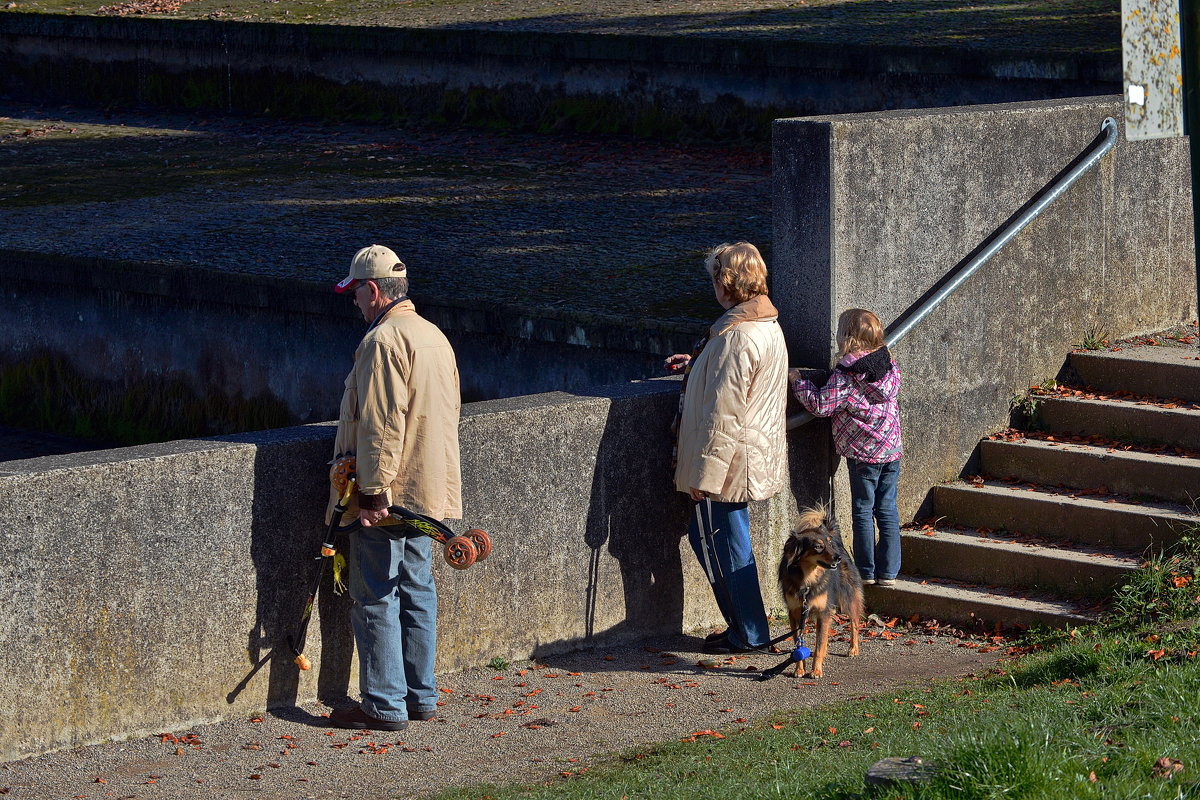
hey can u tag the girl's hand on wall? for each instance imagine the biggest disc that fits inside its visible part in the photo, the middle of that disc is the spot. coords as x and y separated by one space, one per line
677 362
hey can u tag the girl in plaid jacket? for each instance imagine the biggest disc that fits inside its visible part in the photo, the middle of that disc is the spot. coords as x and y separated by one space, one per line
862 396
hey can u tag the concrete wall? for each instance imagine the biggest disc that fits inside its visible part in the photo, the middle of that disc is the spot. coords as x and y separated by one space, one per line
872 209
147 588
230 333
691 86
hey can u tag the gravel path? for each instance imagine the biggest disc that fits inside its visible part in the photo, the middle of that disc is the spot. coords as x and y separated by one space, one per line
527 722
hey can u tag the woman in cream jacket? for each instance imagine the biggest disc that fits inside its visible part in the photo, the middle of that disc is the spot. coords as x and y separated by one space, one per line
732 437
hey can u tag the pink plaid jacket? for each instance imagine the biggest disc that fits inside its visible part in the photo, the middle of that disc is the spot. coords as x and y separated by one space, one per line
866 414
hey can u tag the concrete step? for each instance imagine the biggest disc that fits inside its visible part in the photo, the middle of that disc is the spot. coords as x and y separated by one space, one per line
1085 466
974 606
1122 420
1092 520
1169 372
989 559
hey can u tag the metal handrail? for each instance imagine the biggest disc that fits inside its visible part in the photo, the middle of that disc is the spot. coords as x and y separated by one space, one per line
900 327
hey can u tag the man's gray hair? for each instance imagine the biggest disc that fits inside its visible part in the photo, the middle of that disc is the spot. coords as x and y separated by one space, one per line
392 288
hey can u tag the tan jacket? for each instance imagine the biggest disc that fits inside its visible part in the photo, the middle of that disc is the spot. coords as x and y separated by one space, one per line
732 428
399 416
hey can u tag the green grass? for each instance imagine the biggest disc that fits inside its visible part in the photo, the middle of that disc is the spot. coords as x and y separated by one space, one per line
1085 713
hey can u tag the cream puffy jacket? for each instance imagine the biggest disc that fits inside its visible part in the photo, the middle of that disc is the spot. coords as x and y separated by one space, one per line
399 417
732 427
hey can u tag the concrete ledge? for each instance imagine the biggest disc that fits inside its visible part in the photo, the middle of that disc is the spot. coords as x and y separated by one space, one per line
974 607
1167 372
1166 477
1132 528
1123 421
694 86
149 588
153 321
976 559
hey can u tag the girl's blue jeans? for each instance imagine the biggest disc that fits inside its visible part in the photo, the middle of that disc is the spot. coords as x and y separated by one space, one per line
729 550
395 622
873 497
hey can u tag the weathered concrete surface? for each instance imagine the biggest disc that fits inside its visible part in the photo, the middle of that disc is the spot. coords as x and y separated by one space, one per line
164 577
1122 421
155 319
872 209
1167 372
1060 516
707 86
1053 464
988 560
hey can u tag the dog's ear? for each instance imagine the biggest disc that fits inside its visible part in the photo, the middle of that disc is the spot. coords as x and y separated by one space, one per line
792 549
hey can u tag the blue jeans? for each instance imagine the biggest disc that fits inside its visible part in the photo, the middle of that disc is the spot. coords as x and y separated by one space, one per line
873 496
740 600
395 622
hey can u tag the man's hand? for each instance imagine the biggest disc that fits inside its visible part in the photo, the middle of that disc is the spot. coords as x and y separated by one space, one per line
369 518
677 362
697 494
794 374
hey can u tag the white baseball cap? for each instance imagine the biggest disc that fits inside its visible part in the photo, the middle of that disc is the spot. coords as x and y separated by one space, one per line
371 262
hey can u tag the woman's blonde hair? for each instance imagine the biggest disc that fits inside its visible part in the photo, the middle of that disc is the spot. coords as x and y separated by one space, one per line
858 329
739 269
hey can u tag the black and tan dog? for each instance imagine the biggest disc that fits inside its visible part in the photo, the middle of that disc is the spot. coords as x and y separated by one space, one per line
817 575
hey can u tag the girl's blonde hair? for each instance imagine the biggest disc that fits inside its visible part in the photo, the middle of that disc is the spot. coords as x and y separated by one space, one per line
858 329
739 269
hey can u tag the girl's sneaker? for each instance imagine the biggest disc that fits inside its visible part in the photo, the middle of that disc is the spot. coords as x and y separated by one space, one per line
885 582
868 581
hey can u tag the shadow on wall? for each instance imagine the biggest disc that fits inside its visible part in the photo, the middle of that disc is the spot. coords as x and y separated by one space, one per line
285 543
634 512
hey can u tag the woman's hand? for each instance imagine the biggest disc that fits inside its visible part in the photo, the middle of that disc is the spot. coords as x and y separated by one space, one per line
677 362
697 494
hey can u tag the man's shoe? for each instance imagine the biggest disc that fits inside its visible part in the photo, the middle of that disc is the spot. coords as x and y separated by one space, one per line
358 719
712 637
420 716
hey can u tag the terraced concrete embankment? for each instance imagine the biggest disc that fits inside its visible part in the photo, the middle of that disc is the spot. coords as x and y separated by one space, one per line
724 86
1060 516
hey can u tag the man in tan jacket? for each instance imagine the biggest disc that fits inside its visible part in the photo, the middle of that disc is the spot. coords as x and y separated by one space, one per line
399 418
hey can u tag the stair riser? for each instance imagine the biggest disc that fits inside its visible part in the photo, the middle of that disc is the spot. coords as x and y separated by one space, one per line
1122 422
1049 466
1015 567
1140 377
969 615
1058 519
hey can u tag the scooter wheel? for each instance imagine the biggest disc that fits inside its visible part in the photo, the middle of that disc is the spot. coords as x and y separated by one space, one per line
460 552
482 542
